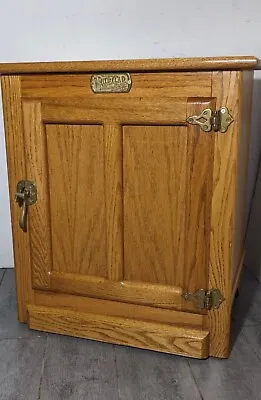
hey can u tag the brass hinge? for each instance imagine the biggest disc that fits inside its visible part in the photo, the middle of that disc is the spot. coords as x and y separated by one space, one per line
218 120
205 299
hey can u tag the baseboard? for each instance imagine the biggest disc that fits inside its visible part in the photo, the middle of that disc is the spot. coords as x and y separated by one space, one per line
131 332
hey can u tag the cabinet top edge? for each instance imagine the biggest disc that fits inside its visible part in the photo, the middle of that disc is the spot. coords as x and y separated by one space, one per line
157 64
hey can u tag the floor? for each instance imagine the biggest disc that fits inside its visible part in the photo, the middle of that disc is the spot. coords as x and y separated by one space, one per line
42 366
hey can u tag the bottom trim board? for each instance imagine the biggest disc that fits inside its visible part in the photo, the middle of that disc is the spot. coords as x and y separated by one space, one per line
125 331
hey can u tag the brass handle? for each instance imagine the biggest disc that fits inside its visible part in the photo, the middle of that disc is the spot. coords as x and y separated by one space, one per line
26 195
23 198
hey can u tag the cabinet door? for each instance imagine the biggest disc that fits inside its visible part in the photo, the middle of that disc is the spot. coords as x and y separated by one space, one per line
122 219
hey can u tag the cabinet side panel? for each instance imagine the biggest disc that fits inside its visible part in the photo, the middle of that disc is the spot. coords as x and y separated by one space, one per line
245 105
226 90
16 172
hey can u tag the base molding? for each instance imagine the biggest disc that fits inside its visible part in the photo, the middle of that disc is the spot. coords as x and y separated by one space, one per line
131 332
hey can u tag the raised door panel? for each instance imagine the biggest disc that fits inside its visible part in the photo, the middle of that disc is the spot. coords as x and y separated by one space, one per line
75 159
154 171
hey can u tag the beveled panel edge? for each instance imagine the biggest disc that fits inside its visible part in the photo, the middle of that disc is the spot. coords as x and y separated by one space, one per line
115 308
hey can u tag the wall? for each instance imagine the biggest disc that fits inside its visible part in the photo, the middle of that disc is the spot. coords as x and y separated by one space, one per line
113 29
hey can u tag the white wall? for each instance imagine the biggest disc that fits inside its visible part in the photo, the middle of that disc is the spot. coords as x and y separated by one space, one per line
51 30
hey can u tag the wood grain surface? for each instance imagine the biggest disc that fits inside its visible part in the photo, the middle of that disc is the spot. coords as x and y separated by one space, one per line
14 137
114 202
39 213
138 110
75 155
167 64
117 308
135 206
149 335
126 291
197 201
154 195
226 90
55 88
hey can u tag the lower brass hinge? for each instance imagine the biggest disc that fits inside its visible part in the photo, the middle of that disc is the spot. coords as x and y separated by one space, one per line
205 299
218 120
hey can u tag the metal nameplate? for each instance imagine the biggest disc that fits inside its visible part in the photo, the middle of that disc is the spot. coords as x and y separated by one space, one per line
111 83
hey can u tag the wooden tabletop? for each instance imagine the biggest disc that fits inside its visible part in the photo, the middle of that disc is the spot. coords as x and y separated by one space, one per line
164 64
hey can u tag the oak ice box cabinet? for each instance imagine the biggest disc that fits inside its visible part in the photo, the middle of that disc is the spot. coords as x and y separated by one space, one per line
127 187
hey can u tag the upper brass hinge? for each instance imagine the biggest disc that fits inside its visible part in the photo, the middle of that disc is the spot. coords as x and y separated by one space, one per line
205 299
218 120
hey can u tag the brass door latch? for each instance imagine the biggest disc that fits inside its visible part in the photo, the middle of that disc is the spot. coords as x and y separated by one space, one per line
26 195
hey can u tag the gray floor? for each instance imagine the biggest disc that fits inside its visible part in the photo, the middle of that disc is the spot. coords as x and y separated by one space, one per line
50 367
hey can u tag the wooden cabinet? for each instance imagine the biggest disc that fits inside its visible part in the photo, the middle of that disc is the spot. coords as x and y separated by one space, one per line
139 205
